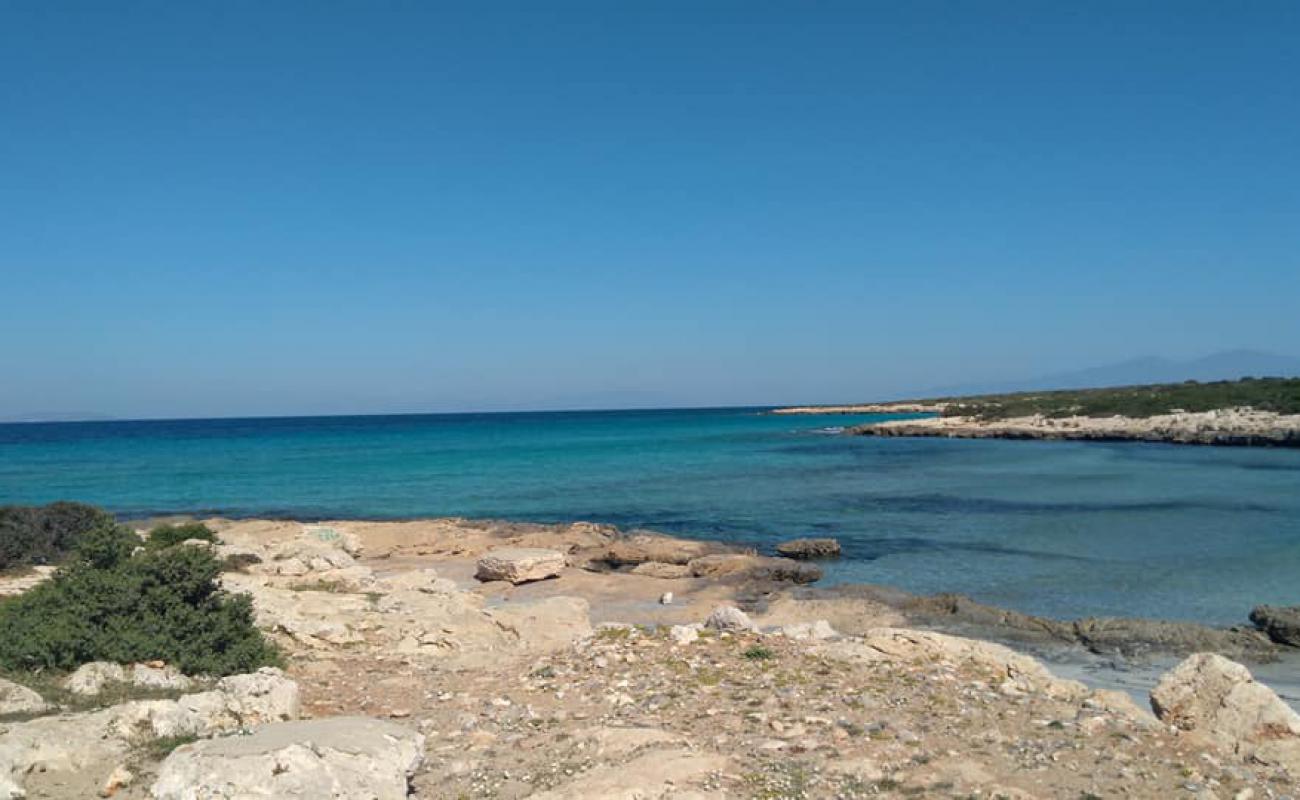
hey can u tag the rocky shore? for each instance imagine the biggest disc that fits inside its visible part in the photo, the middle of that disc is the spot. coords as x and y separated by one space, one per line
467 659
1225 427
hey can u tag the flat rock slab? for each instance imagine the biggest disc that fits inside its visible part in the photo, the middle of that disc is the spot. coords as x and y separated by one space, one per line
520 564
340 758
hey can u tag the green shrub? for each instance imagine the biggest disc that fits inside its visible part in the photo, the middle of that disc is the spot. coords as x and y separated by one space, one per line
165 536
45 534
116 601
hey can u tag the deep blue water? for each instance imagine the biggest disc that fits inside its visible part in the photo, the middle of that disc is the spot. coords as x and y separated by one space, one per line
1065 529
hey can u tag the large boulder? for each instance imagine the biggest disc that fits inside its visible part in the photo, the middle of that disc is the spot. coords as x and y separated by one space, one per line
809 548
1220 700
342 758
520 564
729 618
18 699
89 679
1281 623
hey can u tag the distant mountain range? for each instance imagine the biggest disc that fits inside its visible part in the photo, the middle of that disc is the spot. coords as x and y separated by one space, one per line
1228 365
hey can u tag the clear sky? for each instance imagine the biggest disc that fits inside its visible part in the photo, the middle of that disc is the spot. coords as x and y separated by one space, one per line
213 208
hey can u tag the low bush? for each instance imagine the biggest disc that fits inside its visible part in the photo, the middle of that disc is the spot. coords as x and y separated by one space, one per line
115 600
45 534
165 536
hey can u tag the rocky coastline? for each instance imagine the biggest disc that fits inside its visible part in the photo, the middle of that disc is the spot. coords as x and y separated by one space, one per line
866 408
462 658
1224 427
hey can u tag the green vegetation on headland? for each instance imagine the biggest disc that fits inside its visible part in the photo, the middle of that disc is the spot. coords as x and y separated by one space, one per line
1279 395
117 597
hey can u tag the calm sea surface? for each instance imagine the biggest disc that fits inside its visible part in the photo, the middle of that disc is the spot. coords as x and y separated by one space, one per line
1064 529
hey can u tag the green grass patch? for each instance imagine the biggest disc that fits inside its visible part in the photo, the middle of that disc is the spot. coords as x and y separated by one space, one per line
1281 395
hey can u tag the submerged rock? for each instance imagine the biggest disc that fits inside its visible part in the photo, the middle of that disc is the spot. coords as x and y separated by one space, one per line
520 564
1220 699
754 568
809 548
345 758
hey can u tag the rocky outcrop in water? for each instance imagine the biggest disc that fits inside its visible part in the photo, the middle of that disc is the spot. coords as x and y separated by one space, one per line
809 548
1226 427
1281 623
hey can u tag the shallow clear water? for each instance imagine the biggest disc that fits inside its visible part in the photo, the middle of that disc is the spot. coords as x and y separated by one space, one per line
1064 529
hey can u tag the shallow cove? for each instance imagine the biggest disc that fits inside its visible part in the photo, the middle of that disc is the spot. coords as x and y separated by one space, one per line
1052 528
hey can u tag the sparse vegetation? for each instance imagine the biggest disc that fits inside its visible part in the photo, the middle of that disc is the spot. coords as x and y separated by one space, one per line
759 653
164 536
1280 395
117 601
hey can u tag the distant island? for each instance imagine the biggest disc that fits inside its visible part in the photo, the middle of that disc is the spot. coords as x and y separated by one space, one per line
1245 412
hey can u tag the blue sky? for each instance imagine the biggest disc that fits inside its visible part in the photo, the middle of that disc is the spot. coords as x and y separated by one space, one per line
271 208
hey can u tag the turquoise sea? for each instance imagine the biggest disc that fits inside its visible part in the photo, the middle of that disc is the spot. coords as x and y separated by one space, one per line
1064 529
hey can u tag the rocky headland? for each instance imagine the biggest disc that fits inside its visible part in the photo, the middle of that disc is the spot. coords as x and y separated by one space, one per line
464 659
1225 427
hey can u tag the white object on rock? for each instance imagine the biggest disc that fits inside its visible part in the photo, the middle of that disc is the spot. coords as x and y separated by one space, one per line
344 758
520 564
18 699
1220 699
729 618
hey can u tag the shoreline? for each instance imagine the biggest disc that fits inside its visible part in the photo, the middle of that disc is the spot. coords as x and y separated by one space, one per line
1222 428
580 660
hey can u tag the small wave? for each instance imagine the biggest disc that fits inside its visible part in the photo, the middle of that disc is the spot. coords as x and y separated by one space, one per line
830 429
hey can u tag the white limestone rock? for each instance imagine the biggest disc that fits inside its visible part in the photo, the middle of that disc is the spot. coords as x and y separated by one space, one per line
520 564
18 699
343 758
1220 699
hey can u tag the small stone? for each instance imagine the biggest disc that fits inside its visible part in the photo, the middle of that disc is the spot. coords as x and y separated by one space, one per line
119 778
666 599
